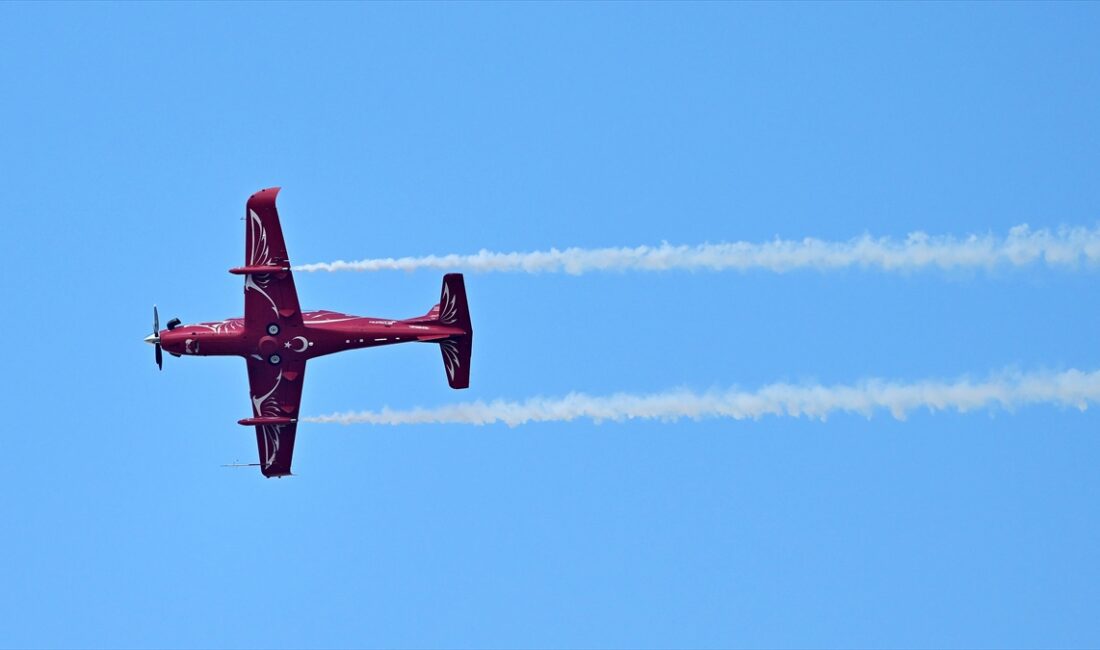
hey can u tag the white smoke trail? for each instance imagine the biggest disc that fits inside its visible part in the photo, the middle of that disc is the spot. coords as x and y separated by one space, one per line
1007 391
1066 247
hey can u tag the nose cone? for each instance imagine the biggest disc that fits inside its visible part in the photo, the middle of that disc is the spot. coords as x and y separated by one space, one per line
152 339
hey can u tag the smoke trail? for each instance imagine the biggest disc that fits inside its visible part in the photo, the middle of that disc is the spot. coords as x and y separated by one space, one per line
1066 247
1008 391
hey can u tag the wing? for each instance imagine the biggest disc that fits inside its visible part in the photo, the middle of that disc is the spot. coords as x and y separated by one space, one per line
268 297
276 391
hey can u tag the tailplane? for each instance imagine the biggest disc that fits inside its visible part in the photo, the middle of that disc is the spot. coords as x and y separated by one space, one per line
456 360
452 310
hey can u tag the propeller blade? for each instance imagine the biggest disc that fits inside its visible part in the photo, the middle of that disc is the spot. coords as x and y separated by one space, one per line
154 338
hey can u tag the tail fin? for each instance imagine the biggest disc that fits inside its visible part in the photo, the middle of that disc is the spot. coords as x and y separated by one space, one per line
453 310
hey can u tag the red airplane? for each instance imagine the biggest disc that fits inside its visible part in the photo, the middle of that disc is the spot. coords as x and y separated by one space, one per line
276 337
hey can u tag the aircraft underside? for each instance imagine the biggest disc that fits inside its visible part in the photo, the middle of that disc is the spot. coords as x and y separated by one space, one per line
276 338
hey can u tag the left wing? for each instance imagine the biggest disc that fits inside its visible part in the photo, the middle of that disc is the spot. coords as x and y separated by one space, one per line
276 392
269 293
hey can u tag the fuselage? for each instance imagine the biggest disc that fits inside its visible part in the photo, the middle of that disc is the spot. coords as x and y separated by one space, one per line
321 333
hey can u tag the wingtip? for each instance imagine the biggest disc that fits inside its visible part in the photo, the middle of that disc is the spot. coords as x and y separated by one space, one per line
266 195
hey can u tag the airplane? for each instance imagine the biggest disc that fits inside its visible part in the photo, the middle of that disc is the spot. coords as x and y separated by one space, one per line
276 338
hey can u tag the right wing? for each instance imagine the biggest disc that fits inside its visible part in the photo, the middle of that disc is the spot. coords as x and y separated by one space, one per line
276 391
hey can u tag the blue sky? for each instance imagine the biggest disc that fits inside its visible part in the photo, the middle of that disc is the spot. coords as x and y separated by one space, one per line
132 134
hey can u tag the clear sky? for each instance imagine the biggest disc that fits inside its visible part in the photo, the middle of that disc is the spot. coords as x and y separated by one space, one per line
132 135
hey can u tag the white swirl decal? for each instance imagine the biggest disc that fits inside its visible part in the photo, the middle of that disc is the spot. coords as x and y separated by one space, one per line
448 313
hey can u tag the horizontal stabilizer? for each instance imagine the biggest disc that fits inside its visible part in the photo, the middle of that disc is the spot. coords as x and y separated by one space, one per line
456 360
455 312
453 309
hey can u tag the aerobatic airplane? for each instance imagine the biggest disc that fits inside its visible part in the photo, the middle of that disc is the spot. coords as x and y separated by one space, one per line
276 337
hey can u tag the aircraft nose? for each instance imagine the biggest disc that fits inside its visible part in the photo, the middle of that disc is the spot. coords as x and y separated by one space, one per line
152 339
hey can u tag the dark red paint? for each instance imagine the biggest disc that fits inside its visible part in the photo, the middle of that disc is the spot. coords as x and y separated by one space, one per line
276 338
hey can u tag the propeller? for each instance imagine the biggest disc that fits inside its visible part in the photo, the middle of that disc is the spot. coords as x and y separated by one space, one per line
154 338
